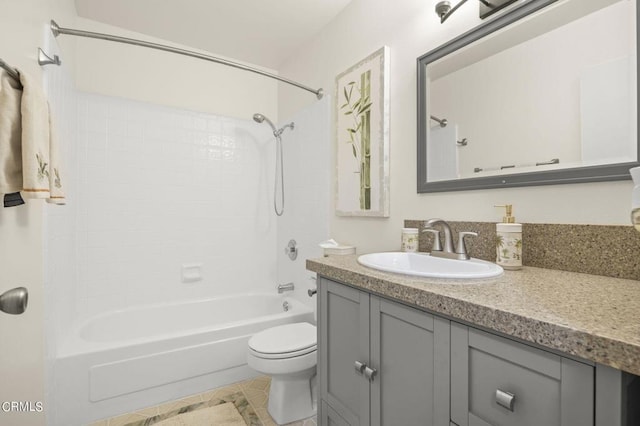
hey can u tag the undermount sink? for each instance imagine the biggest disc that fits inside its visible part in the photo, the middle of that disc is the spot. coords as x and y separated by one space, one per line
424 265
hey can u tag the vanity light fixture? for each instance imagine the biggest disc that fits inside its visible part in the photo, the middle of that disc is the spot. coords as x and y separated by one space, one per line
487 7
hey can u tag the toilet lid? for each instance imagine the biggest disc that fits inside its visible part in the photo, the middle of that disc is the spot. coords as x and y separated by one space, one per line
284 339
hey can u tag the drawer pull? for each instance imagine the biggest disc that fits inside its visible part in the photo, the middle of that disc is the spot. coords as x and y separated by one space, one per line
370 373
359 366
505 399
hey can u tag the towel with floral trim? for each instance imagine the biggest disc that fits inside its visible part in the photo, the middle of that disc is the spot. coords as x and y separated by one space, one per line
28 146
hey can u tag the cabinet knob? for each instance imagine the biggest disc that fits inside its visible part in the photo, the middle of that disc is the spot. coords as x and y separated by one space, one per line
370 373
360 367
505 399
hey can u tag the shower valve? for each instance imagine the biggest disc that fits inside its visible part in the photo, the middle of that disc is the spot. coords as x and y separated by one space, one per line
291 250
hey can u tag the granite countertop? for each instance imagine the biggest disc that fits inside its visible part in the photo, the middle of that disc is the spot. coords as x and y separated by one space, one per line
589 316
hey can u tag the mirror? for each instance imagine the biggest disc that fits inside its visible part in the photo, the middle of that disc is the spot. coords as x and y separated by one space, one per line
546 93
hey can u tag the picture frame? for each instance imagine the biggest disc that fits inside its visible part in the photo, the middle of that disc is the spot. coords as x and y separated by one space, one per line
362 137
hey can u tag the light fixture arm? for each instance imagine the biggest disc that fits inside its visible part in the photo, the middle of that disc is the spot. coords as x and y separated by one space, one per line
444 10
487 8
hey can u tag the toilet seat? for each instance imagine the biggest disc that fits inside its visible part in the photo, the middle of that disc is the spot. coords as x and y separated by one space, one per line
284 341
284 355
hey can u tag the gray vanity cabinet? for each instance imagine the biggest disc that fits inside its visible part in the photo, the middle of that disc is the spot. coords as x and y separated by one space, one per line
343 339
498 382
377 361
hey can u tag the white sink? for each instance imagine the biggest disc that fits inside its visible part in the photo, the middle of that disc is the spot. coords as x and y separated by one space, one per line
424 265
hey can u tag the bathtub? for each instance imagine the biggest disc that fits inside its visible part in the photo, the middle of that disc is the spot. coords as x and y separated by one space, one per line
125 360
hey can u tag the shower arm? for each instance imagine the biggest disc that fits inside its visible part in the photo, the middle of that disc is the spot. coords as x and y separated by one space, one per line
281 130
57 30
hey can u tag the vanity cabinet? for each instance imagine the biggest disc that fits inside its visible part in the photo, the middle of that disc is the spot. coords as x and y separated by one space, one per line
380 362
496 381
384 363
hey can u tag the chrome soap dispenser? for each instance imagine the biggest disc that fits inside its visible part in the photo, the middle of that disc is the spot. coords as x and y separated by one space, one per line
509 241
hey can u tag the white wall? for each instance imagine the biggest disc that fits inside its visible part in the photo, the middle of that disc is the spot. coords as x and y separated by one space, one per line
411 28
307 191
162 187
24 26
164 78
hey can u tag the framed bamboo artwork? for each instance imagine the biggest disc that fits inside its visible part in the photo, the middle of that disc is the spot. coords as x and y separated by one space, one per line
362 137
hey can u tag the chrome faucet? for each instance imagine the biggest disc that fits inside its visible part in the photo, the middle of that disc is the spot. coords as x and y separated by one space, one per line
448 251
285 287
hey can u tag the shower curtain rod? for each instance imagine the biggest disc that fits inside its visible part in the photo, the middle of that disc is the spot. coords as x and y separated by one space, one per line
57 30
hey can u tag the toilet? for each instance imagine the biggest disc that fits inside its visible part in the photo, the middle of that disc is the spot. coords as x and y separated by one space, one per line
287 353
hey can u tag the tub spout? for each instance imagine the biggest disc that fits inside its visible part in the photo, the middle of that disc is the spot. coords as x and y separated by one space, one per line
285 287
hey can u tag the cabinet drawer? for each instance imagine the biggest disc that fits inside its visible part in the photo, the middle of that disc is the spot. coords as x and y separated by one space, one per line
499 369
512 384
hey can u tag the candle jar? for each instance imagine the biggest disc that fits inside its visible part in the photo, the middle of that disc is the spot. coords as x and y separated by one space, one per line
409 239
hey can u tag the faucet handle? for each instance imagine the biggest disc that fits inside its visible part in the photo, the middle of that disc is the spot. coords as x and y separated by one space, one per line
436 239
462 248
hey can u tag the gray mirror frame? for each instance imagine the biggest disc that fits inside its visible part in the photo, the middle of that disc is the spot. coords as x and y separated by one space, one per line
609 172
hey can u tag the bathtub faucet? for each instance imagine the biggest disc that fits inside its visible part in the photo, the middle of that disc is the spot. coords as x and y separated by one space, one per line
285 287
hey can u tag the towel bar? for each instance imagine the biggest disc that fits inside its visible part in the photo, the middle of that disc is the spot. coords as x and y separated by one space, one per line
10 70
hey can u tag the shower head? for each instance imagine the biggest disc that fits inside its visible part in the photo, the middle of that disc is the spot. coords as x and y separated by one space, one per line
259 118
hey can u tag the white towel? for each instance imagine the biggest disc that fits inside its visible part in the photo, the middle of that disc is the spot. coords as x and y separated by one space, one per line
10 135
40 170
28 149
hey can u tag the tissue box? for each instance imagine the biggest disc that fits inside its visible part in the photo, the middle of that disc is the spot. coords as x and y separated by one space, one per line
339 250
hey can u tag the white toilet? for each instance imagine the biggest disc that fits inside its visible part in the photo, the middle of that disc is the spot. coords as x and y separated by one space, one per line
287 353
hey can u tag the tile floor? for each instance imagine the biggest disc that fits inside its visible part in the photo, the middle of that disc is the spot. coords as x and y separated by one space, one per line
256 391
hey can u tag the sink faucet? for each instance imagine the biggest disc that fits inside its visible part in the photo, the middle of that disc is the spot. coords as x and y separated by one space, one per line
448 239
448 251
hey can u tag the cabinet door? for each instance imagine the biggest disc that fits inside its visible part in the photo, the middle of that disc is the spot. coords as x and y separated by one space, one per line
499 382
329 417
410 352
343 318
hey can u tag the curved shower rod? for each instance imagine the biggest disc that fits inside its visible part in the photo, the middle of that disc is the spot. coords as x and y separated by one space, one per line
57 30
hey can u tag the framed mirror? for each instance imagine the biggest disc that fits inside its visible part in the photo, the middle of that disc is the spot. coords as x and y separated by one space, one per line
546 93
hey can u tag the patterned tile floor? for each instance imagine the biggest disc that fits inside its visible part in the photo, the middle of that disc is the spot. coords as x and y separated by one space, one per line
256 391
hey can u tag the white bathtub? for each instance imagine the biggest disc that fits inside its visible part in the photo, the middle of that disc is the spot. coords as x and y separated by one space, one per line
125 360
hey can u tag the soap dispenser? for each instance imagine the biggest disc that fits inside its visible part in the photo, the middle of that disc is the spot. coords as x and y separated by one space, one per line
509 240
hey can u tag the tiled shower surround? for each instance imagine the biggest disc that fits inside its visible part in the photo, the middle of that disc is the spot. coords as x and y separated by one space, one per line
152 188
161 188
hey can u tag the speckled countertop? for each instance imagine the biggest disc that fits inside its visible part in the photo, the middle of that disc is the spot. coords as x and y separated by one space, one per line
589 316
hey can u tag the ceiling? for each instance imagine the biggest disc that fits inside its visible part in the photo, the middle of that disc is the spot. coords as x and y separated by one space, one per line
261 32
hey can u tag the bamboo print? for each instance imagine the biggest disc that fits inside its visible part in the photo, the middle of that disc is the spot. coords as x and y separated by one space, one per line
360 133
365 140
